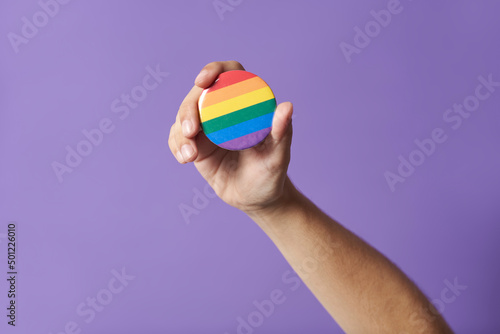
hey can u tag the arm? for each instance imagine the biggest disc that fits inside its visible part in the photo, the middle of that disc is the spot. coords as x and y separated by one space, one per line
362 290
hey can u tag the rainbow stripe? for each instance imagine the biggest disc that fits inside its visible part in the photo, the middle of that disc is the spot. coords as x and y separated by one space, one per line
236 112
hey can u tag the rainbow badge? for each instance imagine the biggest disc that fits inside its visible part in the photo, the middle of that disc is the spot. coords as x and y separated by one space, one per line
236 112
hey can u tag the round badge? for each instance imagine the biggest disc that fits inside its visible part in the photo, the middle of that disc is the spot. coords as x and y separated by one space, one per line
237 111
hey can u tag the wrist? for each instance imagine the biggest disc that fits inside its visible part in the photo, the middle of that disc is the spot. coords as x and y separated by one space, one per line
286 204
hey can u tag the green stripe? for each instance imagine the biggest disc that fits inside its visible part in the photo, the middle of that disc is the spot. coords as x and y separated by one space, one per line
239 116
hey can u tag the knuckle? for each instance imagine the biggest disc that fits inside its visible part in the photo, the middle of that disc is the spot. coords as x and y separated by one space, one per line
234 64
179 113
171 145
179 139
185 109
173 136
214 64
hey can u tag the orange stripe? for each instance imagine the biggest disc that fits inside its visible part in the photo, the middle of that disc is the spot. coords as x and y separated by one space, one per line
232 91
230 77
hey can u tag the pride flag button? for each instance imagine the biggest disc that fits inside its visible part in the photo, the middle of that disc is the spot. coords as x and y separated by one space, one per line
237 111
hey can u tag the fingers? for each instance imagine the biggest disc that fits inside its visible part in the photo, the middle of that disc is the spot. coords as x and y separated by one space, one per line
182 138
187 124
184 149
281 121
210 72
188 116
173 145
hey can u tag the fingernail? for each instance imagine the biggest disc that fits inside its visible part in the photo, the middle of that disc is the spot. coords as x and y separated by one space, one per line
187 127
203 74
187 151
179 157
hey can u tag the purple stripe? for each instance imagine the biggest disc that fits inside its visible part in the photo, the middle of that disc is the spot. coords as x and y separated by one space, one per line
246 141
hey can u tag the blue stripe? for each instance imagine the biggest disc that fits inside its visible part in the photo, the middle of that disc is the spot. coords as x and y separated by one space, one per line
241 129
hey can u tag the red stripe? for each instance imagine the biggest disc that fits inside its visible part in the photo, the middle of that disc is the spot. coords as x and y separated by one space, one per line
230 78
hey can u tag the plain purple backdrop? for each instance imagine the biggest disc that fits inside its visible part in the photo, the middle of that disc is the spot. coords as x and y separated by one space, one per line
120 208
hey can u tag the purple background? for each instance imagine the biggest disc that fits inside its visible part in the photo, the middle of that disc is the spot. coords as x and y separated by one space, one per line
120 206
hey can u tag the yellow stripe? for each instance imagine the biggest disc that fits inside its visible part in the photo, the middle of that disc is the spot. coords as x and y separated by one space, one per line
236 103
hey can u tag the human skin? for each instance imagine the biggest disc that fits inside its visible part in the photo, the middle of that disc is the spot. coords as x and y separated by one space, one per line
360 288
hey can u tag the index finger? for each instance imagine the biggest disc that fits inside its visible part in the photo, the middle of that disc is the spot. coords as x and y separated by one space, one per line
188 114
210 72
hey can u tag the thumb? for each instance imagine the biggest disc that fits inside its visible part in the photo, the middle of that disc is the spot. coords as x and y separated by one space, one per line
281 121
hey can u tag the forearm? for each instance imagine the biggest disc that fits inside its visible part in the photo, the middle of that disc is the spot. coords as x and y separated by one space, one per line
357 285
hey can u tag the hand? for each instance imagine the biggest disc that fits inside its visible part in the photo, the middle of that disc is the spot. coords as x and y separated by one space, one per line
250 180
